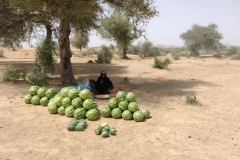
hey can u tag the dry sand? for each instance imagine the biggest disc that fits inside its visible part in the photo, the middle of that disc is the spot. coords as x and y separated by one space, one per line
176 130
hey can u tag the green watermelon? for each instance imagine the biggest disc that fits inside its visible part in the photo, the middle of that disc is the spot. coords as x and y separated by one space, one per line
116 113
52 108
58 99
92 114
33 90
69 111
35 100
73 93
146 113
41 92
121 96
51 92
106 112
127 115
85 94
64 91
89 104
77 102
133 106
131 97
80 127
80 113
66 101
123 105
61 110
27 99
44 101
138 116
113 103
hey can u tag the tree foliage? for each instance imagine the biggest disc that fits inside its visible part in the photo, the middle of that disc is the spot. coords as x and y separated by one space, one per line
80 39
201 37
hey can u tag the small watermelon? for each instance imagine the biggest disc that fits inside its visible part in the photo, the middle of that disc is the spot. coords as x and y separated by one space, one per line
116 113
61 110
85 94
58 99
80 113
33 90
89 104
44 101
77 102
27 99
52 108
73 93
123 105
106 112
42 92
51 92
138 116
131 97
113 103
69 111
121 96
66 102
35 100
64 91
127 115
133 106
146 113
92 114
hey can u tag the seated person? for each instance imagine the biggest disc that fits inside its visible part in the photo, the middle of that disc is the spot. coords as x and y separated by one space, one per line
103 84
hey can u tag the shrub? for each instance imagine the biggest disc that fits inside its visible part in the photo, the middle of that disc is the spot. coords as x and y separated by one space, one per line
191 100
105 55
36 76
13 74
161 64
175 55
236 57
1 53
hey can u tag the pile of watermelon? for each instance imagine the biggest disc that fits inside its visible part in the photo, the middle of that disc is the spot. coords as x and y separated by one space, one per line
77 125
69 101
124 105
104 130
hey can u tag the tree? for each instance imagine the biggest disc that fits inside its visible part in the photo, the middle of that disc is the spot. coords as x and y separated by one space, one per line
80 39
200 37
84 15
145 49
119 29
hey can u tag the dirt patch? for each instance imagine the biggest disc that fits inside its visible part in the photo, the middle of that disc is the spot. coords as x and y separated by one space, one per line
174 131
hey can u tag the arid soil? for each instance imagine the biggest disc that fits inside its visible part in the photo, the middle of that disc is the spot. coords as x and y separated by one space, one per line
209 130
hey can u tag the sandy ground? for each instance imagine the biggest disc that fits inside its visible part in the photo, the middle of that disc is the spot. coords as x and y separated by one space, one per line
176 130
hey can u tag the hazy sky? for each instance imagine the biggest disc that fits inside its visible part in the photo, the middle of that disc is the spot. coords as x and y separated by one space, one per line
177 16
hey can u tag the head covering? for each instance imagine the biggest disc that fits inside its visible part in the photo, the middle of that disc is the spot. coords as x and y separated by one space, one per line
103 73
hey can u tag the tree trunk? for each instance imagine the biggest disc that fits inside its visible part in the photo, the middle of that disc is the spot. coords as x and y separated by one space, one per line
124 52
49 31
65 54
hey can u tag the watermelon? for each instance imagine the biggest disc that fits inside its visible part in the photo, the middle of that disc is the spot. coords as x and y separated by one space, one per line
64 91
52 108
133 106
35 100
85 94
51 92
44 101
106 112
79 113
27 99
138 116
80 127
92 114
77 102
41 92
123 105
58 99
66 102
146 113
73 93
33 90
127 115
113 103
61 110
116 113
121 96
69 111
131 97
89 104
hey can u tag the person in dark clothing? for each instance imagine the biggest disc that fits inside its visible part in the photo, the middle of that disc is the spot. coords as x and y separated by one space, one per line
103 84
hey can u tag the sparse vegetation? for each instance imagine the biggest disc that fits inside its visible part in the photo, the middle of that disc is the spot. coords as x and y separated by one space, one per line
105 55
161 64
36 77
191 100
13 74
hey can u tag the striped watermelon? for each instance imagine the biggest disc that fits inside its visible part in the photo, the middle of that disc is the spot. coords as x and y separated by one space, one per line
92 114
138 116
73 93
61 110
51 92
113 103
80 113
127 115
58 99
52 108
35 100
64 91
69 111
131 97
27 99
77 102
89 104
42 92
121 96
123 105
44 101
66 102
106 112
85 94
33 90
133 106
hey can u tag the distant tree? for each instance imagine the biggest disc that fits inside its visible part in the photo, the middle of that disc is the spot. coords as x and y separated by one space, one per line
118 28
80 39
145 49
201 37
